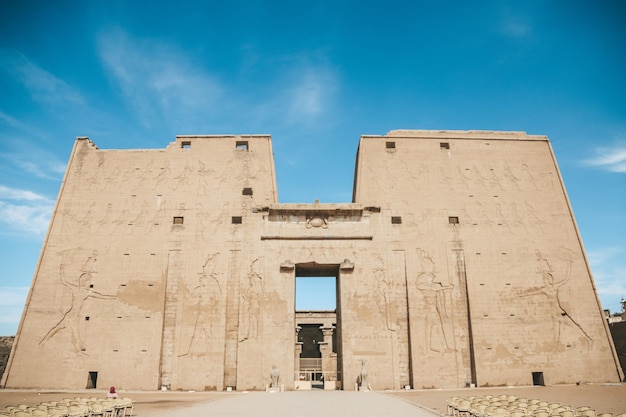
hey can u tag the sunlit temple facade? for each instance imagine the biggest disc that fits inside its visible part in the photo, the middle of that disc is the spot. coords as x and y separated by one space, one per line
457 263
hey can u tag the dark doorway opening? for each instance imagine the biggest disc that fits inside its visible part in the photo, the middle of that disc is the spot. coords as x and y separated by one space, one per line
538 378
92 380
318 322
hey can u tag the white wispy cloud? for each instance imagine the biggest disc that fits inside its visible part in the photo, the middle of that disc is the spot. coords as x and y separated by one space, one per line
24 211
42 85
15 194
158 80
305 90
13 296
310 93
161 82
610 159
31 159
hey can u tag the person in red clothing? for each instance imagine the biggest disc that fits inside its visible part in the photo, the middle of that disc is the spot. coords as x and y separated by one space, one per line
112 393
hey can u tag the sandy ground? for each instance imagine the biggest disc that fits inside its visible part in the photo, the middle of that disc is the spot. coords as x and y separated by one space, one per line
604 398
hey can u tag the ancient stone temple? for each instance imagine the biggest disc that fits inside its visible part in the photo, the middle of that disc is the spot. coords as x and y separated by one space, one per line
458 262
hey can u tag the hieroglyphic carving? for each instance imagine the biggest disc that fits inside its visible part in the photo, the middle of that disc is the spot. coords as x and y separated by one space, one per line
121 220
529 178
479 178
202 216
146 174
143 212
494 181
417 172
561 318
445 179
159 216
204 299
81 291
182 179
316 222
163 175
485 217
433 299
532 215
105 219
85 220
517 220
511 177
463 179
204 174
252 301
386 286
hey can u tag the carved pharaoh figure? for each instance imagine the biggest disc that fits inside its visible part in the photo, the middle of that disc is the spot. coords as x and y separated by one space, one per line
204 299
434 303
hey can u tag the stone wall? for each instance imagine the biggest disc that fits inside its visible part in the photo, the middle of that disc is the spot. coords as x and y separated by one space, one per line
458 262
6 342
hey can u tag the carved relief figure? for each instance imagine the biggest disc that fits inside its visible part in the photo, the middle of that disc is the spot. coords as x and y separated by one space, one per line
80 292
143 212
479 178
183 177
106 219
532 215
85 221
463 179
316 222
435 309
159 216
494 180
252 303
446 179
163 175
204 174
386 289
561 318
205 302
510 177
202 216
529 178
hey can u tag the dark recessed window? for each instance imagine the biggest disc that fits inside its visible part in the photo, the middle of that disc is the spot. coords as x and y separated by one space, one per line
444 145
86 318
396 220
390 145
237 220
247 191
179 220
453 220
242 144
185 145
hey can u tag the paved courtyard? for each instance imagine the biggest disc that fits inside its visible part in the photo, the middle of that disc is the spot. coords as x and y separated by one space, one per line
303 404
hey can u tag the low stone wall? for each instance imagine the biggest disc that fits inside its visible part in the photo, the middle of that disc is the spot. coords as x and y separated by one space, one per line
5 350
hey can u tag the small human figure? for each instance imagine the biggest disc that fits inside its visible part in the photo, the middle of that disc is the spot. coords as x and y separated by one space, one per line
112 393
274 375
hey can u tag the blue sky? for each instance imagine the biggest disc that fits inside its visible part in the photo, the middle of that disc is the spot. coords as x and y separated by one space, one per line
315 75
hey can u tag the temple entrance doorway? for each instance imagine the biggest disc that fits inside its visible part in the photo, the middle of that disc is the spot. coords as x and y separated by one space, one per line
318 324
